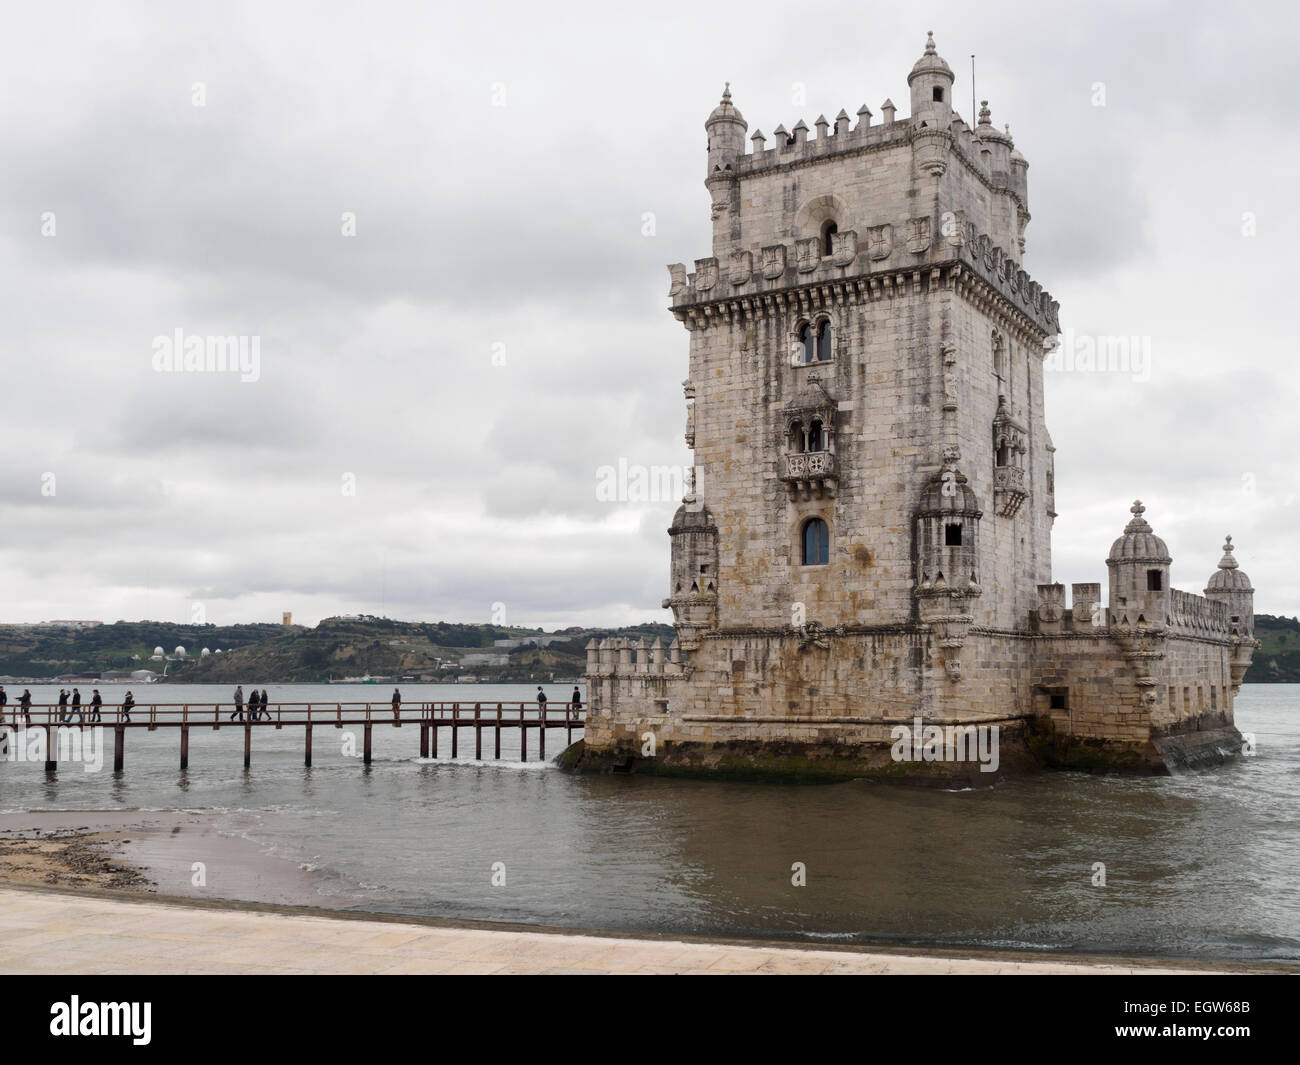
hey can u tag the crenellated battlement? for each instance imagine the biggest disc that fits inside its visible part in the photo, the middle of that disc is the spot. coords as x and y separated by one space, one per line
1194 615
880 260
981 154
620 656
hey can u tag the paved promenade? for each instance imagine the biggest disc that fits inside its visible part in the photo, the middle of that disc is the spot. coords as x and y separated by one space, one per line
49 932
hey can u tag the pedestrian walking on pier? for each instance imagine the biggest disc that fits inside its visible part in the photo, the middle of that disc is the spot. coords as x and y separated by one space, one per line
95 703
541 702
239 703
265 711
63 705
4 701
577 698
254 705
76 707
25 704
128 703
397 705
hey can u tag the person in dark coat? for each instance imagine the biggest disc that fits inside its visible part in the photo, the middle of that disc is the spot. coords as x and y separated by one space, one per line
128 702
265 712
63 705
254 705
76 706
541 702
239 703
577 698
95 703
397 705
4 701
25 704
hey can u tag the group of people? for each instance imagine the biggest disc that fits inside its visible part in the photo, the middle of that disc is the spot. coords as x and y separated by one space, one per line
69 704
575 702
258 705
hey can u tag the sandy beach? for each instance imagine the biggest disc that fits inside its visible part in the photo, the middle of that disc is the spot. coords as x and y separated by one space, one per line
130 876
153 851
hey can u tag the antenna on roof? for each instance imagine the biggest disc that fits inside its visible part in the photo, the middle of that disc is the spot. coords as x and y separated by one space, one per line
972 90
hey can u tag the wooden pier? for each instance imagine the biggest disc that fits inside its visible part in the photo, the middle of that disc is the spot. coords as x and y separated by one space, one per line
431 718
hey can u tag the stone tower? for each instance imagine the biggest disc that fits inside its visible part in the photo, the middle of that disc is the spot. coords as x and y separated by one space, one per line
868 538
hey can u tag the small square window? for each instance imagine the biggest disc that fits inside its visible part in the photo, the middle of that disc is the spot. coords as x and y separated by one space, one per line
952 535
1058 700
1155 580
938 95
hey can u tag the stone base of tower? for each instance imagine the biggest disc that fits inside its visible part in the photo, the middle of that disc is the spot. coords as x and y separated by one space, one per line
853 755
911 704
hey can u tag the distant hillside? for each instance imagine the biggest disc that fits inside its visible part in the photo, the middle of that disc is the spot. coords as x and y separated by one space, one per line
1278 658
386 649
122 646
335 649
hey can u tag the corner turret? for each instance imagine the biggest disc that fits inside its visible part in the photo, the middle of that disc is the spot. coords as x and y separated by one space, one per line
1229 585
1139 565
726 128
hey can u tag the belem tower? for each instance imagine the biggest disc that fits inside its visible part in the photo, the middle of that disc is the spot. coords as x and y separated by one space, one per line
867 543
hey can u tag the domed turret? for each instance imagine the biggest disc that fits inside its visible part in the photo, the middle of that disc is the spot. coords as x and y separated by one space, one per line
947 531
1229 585
1139 575
930 68
1139 543
726 128
931 84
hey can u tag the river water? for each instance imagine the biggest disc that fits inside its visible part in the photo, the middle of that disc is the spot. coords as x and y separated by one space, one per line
1205 864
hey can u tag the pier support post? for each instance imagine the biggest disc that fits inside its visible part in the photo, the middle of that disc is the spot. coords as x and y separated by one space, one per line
307 749
523 735
455 732
248 745
434 729
541 734
424 741
368 730
185 747
51 751
119 746
497 755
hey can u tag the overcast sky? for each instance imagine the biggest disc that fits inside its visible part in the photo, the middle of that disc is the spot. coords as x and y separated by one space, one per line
497 329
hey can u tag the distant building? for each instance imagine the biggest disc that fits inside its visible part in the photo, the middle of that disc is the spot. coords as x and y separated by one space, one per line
286 618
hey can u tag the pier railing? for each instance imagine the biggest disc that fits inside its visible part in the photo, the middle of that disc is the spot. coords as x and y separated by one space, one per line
429 716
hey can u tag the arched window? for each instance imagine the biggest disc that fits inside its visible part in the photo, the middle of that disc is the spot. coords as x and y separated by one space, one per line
807 341
829 229
824 341
816 543
816 438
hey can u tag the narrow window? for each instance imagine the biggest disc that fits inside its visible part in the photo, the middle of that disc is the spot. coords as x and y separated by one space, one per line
829 229
1154 580
816 441
1058 700
824 341
1004 454
816 543
807 339
938 95
952 534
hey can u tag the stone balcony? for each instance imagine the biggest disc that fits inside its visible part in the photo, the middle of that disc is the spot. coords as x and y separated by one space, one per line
810 473
1009 490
